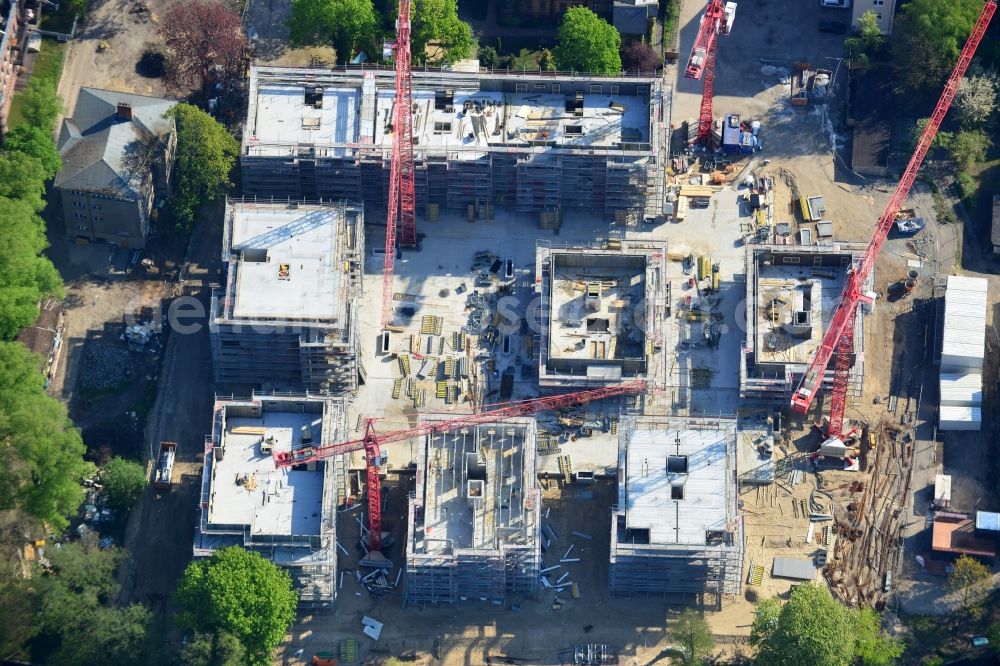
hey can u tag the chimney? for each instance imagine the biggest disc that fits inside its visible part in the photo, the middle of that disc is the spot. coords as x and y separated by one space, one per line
123 111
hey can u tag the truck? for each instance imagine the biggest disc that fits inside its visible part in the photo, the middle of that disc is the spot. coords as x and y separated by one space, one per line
164 470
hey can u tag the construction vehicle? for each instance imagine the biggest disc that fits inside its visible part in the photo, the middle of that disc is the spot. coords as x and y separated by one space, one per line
371 442
402 208
838 342
164 470
717 20
802 78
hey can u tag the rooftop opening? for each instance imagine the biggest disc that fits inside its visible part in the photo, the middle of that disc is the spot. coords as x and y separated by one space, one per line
310 123
123 111
574 129
598 325
314 97
442 128
444 99
574 104
677 464
677 491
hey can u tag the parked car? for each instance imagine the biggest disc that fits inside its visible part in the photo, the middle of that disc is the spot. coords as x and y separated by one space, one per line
836 4
980 641
833 27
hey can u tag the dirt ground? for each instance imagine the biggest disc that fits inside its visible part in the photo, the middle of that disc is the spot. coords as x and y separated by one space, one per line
128 34
477 633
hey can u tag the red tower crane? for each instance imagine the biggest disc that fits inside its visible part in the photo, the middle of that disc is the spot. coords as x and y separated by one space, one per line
402 209
371 442
839 338
717 20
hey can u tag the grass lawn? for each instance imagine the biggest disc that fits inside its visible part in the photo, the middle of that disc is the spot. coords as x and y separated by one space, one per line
48 65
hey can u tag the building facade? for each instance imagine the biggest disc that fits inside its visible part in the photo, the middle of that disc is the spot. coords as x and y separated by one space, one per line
536 144
14 19
118 153
884 10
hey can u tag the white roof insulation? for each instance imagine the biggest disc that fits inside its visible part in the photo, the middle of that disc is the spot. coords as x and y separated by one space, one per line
959 418
942 488
649 494
964 338
961 390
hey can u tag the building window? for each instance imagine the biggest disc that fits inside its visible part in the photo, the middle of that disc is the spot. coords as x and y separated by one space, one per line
596 88
878 16
82 227
97 206
878 3
790 260
98 218
79 204
80 216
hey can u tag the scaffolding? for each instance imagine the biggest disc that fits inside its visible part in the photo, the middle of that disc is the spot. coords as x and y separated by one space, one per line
305 548
474 516
677 547
766 377
490 161
288 344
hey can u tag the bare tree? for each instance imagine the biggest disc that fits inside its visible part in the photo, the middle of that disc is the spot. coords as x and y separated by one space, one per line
205 43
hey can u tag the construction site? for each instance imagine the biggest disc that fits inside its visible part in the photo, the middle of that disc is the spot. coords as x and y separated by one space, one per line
591 298
473 525
535 145
288 516
287 317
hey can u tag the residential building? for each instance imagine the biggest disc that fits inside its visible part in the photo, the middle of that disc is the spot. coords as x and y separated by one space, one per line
15 15
884 10
287 316
632 17
676 531
535 143
118 154
287 515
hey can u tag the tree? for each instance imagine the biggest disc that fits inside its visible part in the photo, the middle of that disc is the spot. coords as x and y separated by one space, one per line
546 61
206 153
40 105
124 481
976 100
691 632
968 576
871 647
347 24
811 628
437 21
22 177
488 57
42 463
205 43
75 612
927 39
969 147
868 40
639 57
25 276
239 592
588 43
37 143
214 649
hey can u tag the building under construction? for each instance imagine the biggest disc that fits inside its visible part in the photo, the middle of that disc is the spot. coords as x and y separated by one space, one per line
676 532
287 318
287 515
601 313
792 293
474 518
536 143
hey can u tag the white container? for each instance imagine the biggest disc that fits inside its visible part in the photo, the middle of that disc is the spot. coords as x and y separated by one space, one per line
960 418
961 390
964 341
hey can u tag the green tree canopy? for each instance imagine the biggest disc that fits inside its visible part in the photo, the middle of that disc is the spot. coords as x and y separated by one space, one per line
124 481
43 464
968 575
206 154
588 43
690 631
76 613
346 24
812 628
238 592
437 21
868 40
928 37
36 142
22 177
969 147
40 105
214 649
25 276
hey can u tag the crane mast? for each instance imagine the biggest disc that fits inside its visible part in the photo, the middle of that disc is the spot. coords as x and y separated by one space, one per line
717 20
839 337
402 190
